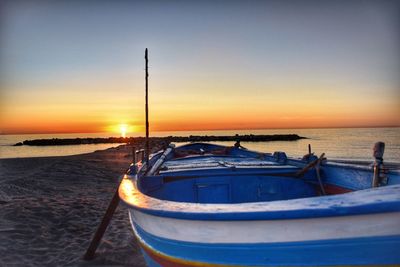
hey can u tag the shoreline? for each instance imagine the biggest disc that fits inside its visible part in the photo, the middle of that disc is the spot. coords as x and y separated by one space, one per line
51 207
117 146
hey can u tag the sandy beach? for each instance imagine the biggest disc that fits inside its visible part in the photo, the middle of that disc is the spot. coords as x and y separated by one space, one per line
51 207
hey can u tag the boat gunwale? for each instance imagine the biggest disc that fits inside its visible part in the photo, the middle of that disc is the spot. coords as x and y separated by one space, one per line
368 201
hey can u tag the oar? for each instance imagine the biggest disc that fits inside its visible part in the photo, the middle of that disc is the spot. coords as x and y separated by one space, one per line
161 160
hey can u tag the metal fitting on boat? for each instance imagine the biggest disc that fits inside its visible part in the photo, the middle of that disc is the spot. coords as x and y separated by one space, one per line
309 158
377 179
280 157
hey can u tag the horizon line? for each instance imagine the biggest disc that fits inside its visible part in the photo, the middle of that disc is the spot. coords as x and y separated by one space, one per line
206 130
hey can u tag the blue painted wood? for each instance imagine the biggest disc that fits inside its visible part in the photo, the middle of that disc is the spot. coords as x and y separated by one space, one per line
213 192
379 200
228 189
252 184
241 185
351 251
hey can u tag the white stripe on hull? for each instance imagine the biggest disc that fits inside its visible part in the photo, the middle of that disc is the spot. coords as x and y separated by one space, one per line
269 231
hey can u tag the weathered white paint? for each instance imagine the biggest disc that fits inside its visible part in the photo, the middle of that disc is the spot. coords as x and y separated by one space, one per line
269 231
132 197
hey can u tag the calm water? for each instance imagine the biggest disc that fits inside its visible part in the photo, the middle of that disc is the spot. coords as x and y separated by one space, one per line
343 143
9 151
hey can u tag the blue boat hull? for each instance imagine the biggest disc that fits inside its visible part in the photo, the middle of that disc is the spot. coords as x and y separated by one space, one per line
373 251
246 209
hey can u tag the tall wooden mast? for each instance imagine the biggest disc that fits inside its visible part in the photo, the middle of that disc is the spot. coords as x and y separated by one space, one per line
147 107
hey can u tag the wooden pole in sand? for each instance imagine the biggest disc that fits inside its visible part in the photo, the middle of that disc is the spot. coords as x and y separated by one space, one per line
89 255
147 108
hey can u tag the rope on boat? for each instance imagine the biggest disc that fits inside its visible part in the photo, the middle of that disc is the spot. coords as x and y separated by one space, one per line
317 169
309 166
314 164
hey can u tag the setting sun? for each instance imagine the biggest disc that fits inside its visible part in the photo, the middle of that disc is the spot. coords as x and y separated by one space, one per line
123 128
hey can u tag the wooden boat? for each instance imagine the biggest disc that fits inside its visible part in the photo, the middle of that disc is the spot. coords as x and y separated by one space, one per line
209 205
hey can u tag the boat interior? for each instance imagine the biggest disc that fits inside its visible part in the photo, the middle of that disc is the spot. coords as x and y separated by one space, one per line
205 173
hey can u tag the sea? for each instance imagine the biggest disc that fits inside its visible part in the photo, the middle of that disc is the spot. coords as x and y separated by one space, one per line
336 143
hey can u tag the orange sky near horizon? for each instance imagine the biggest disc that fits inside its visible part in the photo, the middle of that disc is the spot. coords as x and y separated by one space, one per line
72 111
213 66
